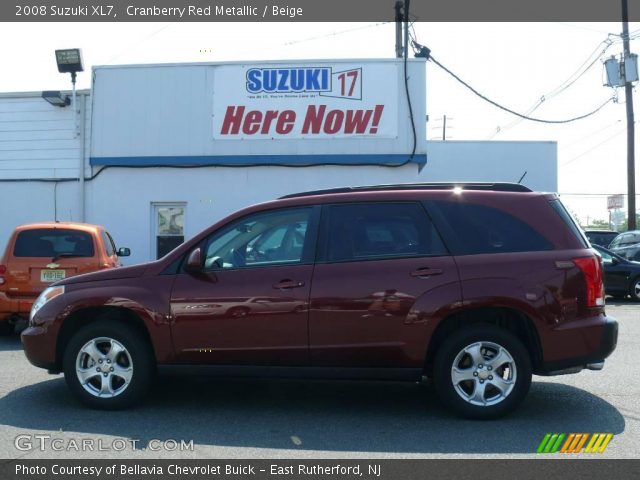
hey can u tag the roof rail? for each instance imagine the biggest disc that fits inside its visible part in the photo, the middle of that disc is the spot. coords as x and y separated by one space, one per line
495 187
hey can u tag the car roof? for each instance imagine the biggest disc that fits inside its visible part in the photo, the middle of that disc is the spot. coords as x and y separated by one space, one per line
85 227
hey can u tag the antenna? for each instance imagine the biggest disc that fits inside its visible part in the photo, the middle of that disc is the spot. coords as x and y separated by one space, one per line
522 177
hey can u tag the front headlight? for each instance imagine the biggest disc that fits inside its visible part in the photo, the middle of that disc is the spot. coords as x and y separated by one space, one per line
48 294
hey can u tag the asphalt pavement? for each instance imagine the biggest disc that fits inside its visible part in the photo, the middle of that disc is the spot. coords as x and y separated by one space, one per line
192 417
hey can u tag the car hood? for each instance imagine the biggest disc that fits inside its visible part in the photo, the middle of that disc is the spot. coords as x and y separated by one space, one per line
110 274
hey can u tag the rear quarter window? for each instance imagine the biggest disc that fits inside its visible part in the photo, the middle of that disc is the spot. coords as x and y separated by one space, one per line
560 209
53 242
482 229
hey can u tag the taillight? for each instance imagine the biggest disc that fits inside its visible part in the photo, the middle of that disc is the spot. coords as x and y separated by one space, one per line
591 268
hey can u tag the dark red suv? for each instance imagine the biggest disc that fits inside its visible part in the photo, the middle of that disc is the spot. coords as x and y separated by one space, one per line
476 286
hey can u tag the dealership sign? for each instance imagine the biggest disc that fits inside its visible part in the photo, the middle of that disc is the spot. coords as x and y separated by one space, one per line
615 202
305 101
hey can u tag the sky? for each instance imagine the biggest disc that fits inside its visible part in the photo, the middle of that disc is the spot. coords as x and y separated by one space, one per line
514 64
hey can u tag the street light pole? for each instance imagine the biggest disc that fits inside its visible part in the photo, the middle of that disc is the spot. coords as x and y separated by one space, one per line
76 115
70 61
628 95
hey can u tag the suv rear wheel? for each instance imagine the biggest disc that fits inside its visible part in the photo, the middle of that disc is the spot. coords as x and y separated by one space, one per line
482 372
107 365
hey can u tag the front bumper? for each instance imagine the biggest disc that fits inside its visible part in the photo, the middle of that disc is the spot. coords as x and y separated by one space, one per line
593 360
39 344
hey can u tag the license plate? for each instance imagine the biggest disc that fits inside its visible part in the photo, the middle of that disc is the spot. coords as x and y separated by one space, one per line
49 276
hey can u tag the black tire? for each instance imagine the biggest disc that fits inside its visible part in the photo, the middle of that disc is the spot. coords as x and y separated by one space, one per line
139 353
454 345
633 292
5 328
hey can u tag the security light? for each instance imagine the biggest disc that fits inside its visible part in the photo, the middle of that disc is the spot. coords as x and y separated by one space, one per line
69 61
56 98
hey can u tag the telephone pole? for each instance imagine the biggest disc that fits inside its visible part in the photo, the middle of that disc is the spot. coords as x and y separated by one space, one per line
628 95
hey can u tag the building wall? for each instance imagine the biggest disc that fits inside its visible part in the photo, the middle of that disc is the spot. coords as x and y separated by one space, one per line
38 140
494 161
39 154
39 159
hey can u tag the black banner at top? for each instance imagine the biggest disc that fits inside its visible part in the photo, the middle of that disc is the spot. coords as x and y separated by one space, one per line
313 10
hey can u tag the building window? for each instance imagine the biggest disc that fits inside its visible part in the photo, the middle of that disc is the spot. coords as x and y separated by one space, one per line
169 227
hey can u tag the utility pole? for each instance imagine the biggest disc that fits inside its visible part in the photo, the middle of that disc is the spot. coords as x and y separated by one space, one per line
405 49
628 95
399 18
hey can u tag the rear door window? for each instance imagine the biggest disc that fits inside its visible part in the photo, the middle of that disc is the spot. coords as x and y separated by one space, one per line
58 242
481 229
373 231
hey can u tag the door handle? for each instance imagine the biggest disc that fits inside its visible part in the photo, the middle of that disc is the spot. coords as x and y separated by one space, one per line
426 272
286 284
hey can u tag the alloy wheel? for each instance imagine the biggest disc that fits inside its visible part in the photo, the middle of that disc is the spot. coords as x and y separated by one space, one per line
104 367
483 373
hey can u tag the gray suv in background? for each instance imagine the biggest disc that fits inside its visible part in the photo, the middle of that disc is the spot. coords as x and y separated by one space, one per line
627 245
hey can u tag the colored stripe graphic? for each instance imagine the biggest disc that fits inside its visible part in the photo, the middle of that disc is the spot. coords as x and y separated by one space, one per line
598 442
544 441
550 443
582 441
568 442
574 442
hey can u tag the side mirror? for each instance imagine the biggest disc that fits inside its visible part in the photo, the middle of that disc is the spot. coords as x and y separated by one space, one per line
194 261
123 252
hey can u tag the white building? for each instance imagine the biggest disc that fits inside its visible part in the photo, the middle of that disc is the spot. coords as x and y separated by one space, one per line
167 150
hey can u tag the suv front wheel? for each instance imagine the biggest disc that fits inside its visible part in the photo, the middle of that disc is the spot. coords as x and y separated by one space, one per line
482 372
107 365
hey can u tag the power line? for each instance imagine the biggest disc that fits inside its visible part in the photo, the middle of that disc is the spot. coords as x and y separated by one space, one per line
594 147
524 117
135 45
589 135
572 79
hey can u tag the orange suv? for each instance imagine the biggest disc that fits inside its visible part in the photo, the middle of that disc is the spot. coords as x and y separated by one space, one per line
39 254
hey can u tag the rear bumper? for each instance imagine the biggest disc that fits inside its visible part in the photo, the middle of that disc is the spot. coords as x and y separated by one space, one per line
593 360
11 307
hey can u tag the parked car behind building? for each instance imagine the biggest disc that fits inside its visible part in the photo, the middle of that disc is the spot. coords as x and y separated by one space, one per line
601 237
39 254
627 245
621 276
